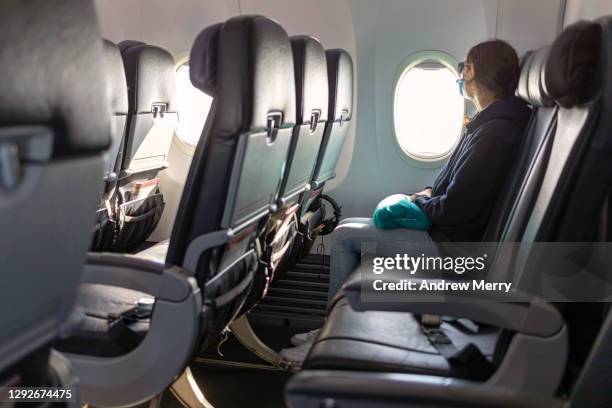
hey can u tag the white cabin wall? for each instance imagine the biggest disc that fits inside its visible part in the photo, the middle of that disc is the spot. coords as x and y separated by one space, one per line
528 24
586 9
171 25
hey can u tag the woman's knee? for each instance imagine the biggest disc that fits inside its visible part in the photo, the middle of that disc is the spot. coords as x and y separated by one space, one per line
355 221
348 233
347 228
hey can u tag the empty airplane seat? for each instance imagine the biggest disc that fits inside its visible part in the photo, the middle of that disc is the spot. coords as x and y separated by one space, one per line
573 205
588 173
151 85
151 122
53 133
246 64
340 74
340 112
311 87
134 305
541 194
104 232
312 99
565 72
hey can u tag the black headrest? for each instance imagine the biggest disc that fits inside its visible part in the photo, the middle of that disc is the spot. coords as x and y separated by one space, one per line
312 88
340 74
52 72
203 71
125 44
572 63
531 81
247 64
115 79
150 75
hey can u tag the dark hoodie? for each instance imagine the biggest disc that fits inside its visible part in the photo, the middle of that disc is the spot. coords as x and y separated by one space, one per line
467 187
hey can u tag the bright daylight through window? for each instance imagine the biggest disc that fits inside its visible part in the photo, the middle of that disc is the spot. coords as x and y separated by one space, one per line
428 111
193 106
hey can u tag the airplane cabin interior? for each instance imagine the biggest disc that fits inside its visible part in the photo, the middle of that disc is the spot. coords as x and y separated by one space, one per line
306 204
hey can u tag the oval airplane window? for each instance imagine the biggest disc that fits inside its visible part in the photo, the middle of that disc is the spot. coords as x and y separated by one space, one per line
193 106
428 109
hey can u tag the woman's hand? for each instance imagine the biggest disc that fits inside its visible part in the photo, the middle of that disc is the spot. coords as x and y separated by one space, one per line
425 193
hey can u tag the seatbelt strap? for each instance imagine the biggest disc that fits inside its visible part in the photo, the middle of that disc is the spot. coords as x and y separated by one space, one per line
469 357
118 326
123 335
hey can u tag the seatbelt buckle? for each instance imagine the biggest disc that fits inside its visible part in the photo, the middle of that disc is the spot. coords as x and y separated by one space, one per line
430 320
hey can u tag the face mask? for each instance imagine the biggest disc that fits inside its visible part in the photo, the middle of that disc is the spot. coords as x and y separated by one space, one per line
461 81
461 84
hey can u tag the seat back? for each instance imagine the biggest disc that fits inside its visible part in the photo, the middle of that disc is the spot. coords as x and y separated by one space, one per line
579 103
340 112
534 207
151 83
138 203
311 88
312 99
585 100
53 132
117 88
247 66
577 76
531 154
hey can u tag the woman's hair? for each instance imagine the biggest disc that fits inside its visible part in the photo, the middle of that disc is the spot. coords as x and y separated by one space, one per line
496 67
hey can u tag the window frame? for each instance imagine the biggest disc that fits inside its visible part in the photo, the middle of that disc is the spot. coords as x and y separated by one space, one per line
411 61
186 146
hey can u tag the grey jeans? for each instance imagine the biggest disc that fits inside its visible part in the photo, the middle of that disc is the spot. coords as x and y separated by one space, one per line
346 246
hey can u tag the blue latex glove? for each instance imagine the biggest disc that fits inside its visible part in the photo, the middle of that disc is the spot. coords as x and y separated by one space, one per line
398 211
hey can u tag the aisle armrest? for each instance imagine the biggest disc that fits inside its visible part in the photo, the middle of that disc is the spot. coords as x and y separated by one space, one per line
316 388
507 311
146 370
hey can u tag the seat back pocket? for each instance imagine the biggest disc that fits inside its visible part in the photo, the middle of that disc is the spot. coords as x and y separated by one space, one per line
104 232
224 295
136 220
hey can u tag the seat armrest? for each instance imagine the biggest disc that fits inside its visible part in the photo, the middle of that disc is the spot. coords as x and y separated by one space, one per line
317 388
144 275
148 369
508 311
124 260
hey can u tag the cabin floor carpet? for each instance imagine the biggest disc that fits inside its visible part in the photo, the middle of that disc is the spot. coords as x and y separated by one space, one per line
236 388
